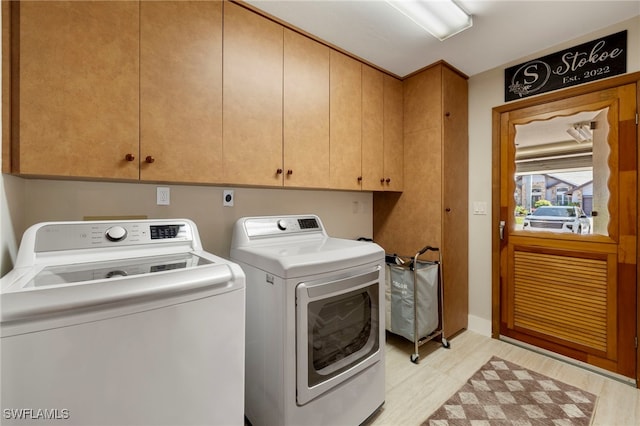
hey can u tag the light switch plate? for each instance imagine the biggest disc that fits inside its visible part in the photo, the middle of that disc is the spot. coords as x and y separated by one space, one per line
480 207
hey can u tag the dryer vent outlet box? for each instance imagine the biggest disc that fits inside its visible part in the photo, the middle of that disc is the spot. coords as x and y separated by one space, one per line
227 198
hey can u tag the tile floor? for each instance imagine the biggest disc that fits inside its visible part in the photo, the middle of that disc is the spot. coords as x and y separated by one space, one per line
413 391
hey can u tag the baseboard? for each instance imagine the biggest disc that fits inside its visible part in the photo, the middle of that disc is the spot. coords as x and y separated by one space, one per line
479 325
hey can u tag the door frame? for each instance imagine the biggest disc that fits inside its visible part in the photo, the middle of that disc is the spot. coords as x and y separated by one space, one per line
541 100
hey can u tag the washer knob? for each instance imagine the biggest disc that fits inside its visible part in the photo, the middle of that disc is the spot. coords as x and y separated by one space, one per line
116 233
282 224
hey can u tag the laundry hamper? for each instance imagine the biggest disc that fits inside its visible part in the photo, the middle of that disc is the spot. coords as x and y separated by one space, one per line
414 299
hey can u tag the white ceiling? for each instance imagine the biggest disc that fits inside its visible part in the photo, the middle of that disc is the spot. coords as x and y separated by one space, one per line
503 30
550 131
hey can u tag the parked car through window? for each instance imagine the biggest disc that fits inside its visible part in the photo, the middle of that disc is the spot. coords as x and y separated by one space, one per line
558 219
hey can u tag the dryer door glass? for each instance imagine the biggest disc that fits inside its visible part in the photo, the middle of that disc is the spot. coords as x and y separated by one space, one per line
342 331
338 331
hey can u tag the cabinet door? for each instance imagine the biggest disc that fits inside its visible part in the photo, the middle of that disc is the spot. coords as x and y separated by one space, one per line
455 188
306 112
77 89
181 91
345 122
393 135
373 178
252 98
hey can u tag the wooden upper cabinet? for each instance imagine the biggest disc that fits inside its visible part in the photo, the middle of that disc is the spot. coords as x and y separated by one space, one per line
75 90
382 138
345 122
372 129
252 98
181 91
306 112
193 91
393 135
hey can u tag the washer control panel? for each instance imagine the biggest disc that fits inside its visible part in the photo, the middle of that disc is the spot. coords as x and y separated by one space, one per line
86 235
116 233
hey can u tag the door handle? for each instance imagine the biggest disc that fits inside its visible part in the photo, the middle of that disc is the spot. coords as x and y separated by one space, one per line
502 224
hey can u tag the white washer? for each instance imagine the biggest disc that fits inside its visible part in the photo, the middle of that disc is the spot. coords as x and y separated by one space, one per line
121 323
315 323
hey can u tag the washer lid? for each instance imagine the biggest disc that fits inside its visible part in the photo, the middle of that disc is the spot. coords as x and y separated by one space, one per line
25 303
299 258
90 271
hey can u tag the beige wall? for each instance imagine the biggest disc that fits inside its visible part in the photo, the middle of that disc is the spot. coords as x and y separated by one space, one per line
344 214
486 91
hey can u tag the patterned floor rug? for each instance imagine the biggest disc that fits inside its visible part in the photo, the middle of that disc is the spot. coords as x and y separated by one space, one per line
503 393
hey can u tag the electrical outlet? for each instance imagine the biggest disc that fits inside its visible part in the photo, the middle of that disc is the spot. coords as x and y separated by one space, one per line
163 196
227 198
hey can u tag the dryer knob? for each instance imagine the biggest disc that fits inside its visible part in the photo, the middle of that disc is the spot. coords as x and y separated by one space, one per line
116 233
282 224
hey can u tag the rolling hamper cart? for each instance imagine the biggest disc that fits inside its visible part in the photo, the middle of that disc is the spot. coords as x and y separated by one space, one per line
414 299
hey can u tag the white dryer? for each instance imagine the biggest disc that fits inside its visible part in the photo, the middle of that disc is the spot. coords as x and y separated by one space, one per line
315 323
121 323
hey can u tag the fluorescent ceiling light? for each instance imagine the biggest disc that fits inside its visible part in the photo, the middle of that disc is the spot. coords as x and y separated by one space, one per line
581 132
441 18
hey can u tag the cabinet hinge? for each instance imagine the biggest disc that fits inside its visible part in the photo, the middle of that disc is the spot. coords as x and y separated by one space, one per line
636 118
636 342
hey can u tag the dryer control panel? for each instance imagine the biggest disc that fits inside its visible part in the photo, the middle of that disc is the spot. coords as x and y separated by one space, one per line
274 226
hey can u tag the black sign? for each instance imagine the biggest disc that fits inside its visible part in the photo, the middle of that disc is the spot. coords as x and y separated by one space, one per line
587 62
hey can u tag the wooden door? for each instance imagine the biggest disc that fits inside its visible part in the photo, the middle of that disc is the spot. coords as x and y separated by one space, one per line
181 118
75 84
345 122
252 98
575 294
306 112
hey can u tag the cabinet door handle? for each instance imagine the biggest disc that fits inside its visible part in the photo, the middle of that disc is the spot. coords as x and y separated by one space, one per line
359 178
278 171
149 159
129 157
289 172
382 180
388 180
447 209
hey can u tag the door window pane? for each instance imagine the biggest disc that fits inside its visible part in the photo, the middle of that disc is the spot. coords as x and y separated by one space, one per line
563 162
